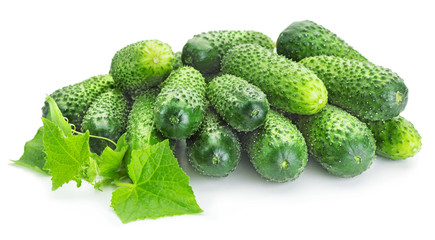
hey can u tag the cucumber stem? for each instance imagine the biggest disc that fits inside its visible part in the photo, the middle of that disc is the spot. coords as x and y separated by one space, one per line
255 112
285 164
399 97
215 160
357 159
174 120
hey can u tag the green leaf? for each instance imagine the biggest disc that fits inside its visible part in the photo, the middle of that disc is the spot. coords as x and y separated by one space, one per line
65 154
55 116
34 156
110 160
160 187
89 170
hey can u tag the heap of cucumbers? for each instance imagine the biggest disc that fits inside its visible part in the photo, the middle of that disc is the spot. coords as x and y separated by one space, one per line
230 91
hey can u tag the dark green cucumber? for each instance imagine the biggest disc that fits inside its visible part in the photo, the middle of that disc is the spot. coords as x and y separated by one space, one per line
241 104
141 131
363 89
178 63
288 85
106 117
205 51
277 149
395 138
142 65
214 150
340 142
306 38
74 100
180 105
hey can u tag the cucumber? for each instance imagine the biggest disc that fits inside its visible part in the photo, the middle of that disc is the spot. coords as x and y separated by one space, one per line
396 138
306 39
106 117
367 91
205 51
340 142
141 131
74 100
178 63
141 65
241 104
214 150
180 105
277 150
288 85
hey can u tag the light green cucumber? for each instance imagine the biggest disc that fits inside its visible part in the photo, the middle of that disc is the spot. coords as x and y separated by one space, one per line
396 138
288 85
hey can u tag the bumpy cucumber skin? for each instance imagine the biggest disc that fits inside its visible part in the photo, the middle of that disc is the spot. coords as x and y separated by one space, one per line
142 64
141 131
363 89
241 104
74 100
205 51
340 142
306 38
288 85
214 150
180 105
396 138
106 117
178 63
277 149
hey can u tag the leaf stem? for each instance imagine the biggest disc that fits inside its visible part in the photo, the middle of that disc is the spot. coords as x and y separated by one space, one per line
123 184
94 136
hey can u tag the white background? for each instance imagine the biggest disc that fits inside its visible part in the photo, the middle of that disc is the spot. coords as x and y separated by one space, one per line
46 45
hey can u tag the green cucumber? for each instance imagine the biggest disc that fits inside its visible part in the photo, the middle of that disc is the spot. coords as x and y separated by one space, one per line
396 138
205 51
214 150
141 130
178 63
74 100
306 39
277 149
180 105
367 91
288 85
340 142
142 65
106 117
241 104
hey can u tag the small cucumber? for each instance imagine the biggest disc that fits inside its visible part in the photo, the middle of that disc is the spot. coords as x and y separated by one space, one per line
306 39
241 104
367 91
277 149
288 85
177 63
395 138
180 105
141 131
74 100
106 117
340 142
142 65
214 150
205 51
